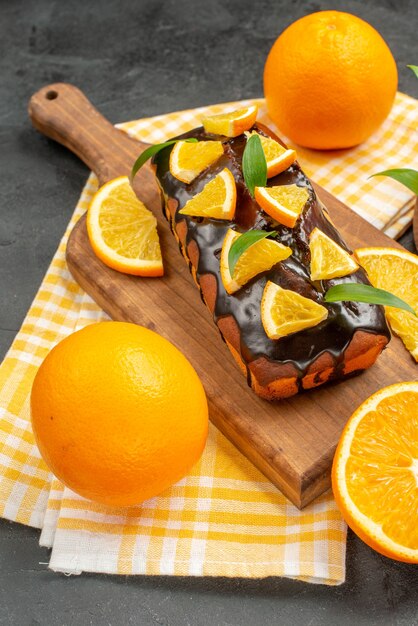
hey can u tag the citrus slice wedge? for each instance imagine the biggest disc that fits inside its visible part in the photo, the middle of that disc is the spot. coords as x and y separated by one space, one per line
328 259
283 203
231 124
188 160
259 257
284 311
395 270
122 231
217 199
278 158
375 472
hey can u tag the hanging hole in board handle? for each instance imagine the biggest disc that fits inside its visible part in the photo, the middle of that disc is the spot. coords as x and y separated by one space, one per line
51 94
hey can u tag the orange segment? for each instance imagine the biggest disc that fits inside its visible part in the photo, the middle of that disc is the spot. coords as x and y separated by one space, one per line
217 199
375 472
123 232
284 311
231 124
188 160
328 259
258 258
283 203
278 158
395 270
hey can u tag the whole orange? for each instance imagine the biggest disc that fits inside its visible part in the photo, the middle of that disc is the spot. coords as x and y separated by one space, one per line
329 80
118 412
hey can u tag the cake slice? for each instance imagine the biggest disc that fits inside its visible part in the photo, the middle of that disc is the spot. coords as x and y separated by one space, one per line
348 340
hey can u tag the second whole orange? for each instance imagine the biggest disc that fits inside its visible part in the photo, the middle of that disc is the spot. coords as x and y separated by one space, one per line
118 413
329 80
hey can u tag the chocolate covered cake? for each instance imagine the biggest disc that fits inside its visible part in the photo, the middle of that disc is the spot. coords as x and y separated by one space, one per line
348 340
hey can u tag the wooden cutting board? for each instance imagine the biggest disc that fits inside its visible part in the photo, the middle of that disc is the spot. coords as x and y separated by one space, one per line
292 441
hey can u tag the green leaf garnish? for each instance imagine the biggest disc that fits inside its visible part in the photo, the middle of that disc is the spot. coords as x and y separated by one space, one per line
242 243
366 293
149 152
406 176
254 164
414 68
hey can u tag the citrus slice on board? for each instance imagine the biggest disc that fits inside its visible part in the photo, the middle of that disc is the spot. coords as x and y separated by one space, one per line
188 160
375 472
328 259
283 203
395 270
259 257
231 124
122 231
217 199
278 158
284 311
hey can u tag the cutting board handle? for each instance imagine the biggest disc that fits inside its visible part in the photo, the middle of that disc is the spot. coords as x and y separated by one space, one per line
63 113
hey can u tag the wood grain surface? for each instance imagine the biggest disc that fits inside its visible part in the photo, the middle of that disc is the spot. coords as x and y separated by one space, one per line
292 441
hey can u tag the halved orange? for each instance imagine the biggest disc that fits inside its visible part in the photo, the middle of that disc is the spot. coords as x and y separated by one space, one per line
278 158
284 311
259 257
217 199
231 124
283 203
188 160
122 231
328 259
395 270
375 472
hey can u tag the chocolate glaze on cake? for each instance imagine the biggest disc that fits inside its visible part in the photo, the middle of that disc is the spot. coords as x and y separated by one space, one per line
301 349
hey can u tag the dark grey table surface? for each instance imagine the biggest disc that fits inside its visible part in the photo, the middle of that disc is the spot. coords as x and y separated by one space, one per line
135 59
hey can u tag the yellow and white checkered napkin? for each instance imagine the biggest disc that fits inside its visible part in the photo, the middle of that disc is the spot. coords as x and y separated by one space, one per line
224 518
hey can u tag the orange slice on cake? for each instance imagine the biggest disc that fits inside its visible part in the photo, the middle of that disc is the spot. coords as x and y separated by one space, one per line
231 124
284 311
217 199
283 203
328 259
260 257
278 158
188 160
